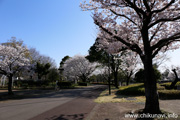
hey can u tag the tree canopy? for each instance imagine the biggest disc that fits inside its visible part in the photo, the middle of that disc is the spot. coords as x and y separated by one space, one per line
146 27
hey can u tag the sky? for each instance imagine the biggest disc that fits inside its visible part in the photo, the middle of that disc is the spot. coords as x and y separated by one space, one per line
56 28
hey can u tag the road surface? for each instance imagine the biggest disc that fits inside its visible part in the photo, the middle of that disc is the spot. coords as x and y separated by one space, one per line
69 104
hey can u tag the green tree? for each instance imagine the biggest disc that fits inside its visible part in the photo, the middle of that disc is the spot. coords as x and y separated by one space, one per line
53 75
61 69
42 69
105 59
64 60
139 76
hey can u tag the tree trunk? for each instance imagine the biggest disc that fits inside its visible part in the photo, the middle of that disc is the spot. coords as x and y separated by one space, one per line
39 76
175 81
127 81
83 78
116 79
152 99
10 85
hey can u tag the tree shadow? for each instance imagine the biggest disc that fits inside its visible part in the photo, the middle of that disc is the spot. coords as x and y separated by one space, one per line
25 94
68 117
35 94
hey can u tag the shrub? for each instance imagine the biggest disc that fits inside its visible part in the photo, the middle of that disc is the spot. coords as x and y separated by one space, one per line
159 87
138 89
31 83
99 83
83 83
169 94
168 84
134 89
139 76
65 84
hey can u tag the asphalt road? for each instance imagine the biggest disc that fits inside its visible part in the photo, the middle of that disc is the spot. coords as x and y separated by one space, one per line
62 105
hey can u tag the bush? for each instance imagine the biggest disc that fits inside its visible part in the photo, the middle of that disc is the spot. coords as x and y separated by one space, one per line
159 87
169 94
138 89
83 83
168 84
99 83
139 76
65 84
134 89
31 83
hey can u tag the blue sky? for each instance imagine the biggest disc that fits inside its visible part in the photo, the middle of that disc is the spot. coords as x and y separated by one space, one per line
56 28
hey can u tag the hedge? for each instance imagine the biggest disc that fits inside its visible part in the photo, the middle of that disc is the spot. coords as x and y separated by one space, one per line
83 83
138 89
65 84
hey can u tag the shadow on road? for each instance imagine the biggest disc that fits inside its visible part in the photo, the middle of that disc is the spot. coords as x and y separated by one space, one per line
69 117
33 94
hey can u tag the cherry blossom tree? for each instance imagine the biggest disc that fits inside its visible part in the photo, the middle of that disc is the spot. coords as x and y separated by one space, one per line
147 27
129 65
12 60
78 67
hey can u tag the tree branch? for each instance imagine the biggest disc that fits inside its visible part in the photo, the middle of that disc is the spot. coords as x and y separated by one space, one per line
164 20
147 6
160 47
163 42
133 47
138 11
169 4
2 71
157 29
123 16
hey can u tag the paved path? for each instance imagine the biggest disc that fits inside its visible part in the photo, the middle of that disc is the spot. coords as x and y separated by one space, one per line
64 105
76 109
172 106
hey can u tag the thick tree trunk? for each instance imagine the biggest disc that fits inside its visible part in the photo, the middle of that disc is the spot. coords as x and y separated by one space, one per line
10 85
152 99
175 81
